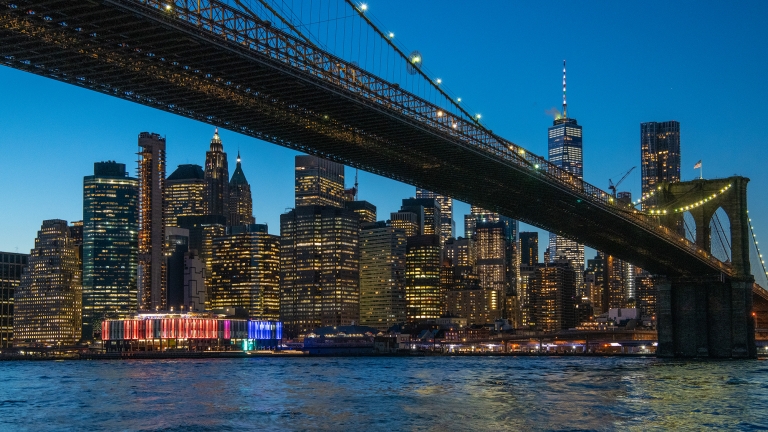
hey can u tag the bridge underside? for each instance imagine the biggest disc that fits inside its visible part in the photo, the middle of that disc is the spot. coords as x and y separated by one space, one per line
128 50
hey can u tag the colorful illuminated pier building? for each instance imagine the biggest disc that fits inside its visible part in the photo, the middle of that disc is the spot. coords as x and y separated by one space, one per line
189 332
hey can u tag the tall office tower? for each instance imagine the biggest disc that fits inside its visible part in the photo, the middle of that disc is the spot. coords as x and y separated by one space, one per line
616 272
424 295
646 295
529 248
217 178
491 265
49 300
246 271
594 281
110 245
478 214
11 267
319 182
553 292
406 221
176 249
382 276
565 151
240 202
151 265
185 193
364 209
319 268
195 293
460 252
447 225
464 296
526 296
427 212
659 155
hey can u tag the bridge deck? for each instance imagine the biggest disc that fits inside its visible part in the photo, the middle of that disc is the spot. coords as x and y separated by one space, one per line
224 68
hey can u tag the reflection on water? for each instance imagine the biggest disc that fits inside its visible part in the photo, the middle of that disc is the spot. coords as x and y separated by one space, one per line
438 393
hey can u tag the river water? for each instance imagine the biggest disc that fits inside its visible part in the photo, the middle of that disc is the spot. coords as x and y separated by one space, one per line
384 393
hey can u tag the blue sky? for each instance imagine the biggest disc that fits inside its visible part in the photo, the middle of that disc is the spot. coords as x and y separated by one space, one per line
703 64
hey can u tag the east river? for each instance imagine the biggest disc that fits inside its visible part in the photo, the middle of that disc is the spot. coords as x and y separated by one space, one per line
384 393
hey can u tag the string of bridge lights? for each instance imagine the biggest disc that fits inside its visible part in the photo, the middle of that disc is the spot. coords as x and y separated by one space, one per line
686 207
362 8
754 238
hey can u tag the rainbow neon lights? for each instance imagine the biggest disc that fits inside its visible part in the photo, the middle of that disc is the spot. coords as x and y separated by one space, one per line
265 330
190 328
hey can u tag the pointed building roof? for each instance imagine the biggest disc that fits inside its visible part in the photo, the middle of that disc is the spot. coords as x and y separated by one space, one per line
216 145
238 177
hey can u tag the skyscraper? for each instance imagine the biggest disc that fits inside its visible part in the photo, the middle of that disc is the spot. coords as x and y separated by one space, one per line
447 226
246 271
110 245
12 266
176 250
491 265
185 193
659 154
240 202
427 211
217 178
406 221
49 299
529 248
151 265
382 276
319 268
424 295
202 232
319 182
364 209
565 151
552 295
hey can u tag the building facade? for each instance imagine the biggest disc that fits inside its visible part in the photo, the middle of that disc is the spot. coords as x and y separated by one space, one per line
12 266
185 193
447 226
424 295
319 268
240 201
529 248
49 300
245 271
659 154
217 178
552 296
110 245
491 266
382 276
151 260
319 181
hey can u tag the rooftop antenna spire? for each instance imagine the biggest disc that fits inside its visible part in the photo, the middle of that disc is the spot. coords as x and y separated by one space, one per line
356 189
565 105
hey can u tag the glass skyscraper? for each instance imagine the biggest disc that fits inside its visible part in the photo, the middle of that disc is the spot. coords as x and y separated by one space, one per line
382 275
319 182
185 193
110 245
447 226
11 267
659 154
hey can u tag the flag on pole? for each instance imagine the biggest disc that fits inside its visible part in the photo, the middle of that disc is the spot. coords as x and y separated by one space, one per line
698 165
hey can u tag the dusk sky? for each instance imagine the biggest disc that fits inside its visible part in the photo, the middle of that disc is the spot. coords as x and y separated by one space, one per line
704 64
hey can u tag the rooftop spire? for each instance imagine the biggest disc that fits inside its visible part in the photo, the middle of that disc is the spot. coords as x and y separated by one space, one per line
216 142
565 105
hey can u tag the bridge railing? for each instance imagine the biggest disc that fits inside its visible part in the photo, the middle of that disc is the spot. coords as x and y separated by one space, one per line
225 21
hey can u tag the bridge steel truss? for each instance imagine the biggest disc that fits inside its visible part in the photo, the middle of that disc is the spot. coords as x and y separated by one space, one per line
209 61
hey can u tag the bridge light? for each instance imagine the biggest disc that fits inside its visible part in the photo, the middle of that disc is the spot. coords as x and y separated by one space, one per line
458 99
453 125
363 7
477 116
391 35
536 166
167 7
439 113
439 81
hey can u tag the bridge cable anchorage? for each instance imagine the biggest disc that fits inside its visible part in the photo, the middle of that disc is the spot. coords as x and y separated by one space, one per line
757 248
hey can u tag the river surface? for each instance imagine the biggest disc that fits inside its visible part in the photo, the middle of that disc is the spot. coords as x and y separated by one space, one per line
388 394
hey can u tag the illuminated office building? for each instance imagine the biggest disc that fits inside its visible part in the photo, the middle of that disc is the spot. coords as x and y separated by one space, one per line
659 154
646 295
529 248
319 268
491 265
447 226
110 245
424 295
246 271
382 276
151 264
406 221
319 181
460 252
552 295
176 250
427 211
365 210
49 300
464 296
11 268
565 152
216 178
594 282
526 297
185 193
240 201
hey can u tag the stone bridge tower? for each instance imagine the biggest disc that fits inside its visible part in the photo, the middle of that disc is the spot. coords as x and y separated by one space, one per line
707 315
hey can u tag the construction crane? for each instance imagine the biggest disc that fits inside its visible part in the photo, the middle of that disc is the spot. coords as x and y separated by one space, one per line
612 187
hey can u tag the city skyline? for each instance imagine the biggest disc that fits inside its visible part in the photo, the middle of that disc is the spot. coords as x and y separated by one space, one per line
269 168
